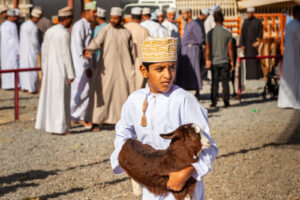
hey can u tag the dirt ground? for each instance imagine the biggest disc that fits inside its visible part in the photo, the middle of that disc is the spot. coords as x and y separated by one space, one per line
259 154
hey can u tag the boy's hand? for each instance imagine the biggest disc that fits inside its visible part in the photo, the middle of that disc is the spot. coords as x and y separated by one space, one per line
178 179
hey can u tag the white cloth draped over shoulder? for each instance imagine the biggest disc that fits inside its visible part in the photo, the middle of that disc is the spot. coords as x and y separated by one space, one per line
154 28
9 53
53 113
81 92
209 23
29 50
165 112
289 89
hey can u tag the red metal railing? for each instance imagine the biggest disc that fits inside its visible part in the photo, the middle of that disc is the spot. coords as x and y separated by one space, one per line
16 71
253 57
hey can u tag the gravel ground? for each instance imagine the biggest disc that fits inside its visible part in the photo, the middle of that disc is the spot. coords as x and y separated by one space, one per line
258 154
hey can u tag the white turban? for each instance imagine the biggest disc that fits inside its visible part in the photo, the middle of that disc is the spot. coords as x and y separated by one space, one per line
250 9
90 5
136 11
171 10
146 11
101 12
187 9
205 11
36 12
65 12
116 11
17 12
159 12
11 13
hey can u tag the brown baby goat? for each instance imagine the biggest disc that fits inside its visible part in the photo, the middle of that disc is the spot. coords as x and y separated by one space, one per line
151 167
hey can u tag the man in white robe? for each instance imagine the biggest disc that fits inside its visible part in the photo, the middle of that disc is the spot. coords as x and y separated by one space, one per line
139 34
9 49
3 17
289 89
29 50
154 28
53 113
115 74
81 92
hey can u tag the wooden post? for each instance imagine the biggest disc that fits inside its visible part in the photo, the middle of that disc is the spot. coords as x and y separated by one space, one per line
16 3
71 4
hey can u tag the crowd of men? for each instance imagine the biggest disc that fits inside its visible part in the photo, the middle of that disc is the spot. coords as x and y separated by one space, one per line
91 66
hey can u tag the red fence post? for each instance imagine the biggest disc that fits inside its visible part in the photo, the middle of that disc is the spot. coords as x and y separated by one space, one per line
240 79
16 96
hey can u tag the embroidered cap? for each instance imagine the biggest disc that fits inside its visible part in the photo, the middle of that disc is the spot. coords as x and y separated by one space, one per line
36 12
65 12
136 11
171 10
251 9
159 50
101 12
116 11
90 5
146 11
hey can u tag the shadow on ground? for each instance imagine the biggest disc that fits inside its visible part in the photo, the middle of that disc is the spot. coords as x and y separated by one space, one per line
18 180
291 136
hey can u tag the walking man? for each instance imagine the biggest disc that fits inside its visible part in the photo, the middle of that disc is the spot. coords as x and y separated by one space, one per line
53 113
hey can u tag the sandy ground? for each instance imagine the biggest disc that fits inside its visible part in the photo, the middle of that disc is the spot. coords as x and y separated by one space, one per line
258 159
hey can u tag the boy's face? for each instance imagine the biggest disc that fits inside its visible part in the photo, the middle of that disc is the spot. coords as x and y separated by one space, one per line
160 76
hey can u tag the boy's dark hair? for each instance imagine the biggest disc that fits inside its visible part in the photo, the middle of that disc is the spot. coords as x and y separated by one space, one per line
138 17
147 65
296 10
219 17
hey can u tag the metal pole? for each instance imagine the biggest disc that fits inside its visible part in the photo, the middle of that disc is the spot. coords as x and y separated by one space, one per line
240 79
16 3
71 4
16 96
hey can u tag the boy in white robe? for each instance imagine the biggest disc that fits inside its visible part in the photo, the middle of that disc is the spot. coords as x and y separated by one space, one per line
167 107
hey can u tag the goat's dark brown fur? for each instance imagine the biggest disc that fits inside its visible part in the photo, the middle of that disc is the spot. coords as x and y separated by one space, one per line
151 167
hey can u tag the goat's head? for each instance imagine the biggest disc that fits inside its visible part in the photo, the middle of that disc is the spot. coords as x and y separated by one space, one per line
191 136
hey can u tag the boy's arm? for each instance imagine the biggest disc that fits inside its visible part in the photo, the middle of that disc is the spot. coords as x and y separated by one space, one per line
124 131
193 112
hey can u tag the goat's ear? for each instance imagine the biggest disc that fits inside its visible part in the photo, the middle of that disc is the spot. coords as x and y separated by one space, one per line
170 135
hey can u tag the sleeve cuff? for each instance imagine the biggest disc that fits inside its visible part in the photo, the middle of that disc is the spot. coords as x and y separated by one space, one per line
117 169
201 170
